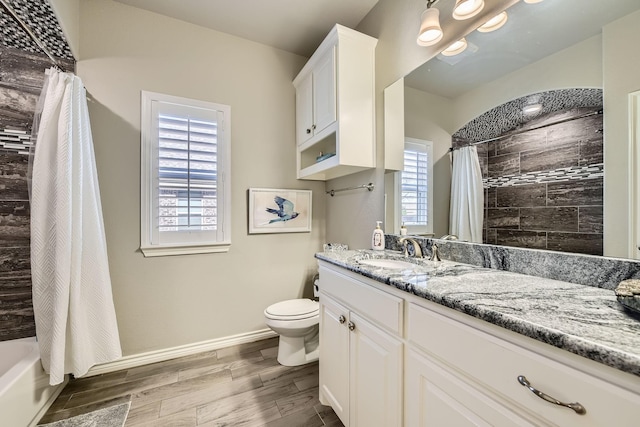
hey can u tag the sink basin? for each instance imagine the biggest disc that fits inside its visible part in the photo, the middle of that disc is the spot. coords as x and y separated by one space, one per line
392 264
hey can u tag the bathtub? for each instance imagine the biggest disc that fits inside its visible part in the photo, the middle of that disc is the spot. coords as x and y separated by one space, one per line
25 393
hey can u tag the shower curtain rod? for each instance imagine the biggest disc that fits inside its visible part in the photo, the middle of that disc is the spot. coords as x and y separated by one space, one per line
497 138
26 28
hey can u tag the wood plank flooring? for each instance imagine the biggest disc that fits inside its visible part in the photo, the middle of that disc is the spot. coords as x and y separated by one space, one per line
241 385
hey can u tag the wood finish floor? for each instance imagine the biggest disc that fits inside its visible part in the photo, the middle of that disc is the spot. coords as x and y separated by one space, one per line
235 386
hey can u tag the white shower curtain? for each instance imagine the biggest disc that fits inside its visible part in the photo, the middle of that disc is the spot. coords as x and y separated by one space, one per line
73 304
467 196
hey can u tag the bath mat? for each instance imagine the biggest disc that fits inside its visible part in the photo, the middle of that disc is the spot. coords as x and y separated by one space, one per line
113 416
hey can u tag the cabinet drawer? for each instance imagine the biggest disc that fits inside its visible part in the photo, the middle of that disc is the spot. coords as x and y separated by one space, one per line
380 307
496 364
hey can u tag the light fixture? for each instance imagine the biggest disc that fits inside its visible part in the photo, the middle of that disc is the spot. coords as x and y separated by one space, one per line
455 48
430 30
494 23
531 108
465 9
532 1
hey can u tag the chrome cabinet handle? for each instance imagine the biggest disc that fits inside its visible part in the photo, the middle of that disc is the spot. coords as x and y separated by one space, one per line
342 319
578 408
351 326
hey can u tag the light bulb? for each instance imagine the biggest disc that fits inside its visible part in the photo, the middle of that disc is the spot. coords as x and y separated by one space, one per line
465 9
494 23
455 48
430 30
531 108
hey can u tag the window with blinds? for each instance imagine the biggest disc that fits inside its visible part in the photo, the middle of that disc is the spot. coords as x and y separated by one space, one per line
416 187
185 176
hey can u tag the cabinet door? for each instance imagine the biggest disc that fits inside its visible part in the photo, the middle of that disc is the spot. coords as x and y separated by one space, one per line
304 109
324 91
334 357
435 396
376 376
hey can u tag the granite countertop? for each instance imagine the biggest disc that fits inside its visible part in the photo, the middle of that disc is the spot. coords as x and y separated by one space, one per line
584 320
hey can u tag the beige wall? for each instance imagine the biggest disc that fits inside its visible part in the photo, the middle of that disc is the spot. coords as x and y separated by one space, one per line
170 301
577 66
621 77
429 117
68 14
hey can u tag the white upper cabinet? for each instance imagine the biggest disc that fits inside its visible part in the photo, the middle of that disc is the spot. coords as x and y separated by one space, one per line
335 107
316 99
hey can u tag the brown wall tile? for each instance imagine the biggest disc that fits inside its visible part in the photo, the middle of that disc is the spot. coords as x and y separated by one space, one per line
503 218
14 224
575 242
18 105
557 219
522 239
507 164
590 219
491 195
521 196
587 192
532 140
548 159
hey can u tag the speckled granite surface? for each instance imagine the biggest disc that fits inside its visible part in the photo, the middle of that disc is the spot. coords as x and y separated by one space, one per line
589 270
585 320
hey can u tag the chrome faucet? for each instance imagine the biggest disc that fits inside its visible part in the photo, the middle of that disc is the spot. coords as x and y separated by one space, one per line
417 251
435 253
449 237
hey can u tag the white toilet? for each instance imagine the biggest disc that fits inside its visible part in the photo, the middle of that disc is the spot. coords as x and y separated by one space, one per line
296 321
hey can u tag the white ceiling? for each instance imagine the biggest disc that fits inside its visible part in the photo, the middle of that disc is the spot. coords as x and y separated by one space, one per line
296 26
532 32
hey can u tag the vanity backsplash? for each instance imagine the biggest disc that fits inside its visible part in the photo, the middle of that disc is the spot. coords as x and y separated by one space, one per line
586 270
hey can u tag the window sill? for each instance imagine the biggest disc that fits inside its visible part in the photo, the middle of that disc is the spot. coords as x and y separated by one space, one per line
155 251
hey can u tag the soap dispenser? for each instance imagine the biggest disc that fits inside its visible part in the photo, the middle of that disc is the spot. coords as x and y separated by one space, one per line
377 240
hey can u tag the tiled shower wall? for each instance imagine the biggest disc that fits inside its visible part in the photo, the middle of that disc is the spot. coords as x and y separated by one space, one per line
544 187
21 79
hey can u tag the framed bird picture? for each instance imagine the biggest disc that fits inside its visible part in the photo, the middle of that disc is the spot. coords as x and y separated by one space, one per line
274 210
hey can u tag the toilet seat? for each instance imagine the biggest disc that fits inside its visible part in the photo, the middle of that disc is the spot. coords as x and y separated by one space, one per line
293 309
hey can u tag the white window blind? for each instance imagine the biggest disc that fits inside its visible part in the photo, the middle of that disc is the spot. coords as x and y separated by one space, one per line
416 187
185 179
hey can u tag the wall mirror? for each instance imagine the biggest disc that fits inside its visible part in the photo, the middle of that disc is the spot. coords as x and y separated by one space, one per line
544 46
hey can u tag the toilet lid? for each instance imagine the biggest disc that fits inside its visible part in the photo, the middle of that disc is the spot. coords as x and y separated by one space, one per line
292 309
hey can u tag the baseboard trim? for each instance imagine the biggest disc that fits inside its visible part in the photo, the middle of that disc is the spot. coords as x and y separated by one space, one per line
135 360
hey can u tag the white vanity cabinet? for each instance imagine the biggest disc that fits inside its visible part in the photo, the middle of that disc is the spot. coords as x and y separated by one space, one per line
361 355
469 376
335 107
411 362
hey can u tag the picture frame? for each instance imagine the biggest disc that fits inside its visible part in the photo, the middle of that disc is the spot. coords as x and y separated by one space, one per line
274 210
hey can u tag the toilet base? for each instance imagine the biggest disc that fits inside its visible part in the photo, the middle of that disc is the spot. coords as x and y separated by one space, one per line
296 351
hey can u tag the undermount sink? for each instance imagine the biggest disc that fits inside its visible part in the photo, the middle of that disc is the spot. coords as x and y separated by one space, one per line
392 264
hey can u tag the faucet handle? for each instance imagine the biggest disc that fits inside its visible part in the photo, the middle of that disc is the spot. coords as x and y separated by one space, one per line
435 253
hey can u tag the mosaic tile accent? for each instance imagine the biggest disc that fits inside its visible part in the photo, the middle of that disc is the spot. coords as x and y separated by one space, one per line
39 16
15 140
509 116
574 173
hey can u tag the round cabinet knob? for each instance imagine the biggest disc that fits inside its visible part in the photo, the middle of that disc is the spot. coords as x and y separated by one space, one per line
351 326
313 127
342 319
308 131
